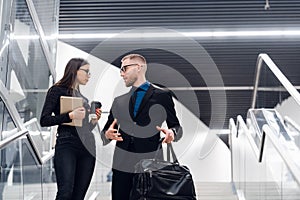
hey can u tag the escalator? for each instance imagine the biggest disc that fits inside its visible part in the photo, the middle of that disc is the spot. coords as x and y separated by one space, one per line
266 162
264 149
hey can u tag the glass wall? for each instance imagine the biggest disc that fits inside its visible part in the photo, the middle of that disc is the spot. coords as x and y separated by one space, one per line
28 30
31 52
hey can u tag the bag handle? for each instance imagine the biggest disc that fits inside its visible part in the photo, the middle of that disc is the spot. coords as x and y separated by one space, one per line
170 151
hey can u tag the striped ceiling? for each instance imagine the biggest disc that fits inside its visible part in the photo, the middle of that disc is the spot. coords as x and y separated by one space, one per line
235 57
93 15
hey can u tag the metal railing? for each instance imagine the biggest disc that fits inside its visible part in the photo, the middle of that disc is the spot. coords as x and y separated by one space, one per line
8 140
21 129
278 74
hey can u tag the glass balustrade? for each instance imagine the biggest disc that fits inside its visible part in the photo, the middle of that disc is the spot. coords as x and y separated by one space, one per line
268 170
11 172
284 183
265 156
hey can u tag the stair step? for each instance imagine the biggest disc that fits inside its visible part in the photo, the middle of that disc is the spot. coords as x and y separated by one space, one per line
215 191
205 191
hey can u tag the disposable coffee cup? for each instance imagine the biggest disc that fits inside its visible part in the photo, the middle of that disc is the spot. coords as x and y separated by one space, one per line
94 106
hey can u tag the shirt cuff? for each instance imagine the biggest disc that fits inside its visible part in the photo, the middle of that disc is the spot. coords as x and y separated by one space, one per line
174 131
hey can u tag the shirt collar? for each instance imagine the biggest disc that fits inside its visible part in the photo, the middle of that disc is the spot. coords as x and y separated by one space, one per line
145 86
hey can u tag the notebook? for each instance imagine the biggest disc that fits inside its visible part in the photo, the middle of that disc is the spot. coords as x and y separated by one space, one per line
68 104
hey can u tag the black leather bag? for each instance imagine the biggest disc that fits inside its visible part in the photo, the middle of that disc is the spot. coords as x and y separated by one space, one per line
162 180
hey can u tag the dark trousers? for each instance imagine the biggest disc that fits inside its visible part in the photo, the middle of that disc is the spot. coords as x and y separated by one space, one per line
121 185
74 167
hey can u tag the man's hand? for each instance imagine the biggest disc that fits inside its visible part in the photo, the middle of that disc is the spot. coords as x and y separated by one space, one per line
112 133
169 134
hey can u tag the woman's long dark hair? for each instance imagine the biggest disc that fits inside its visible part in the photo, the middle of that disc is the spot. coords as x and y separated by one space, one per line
70 73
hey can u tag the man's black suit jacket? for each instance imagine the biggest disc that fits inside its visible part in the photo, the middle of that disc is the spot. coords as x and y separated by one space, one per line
139 133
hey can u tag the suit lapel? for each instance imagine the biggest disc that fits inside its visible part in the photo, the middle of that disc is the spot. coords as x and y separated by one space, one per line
145 99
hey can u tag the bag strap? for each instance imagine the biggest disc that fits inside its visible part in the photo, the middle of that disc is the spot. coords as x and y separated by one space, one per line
170 151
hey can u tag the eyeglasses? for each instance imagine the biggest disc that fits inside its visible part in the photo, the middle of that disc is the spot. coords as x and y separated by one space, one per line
86 71
124 68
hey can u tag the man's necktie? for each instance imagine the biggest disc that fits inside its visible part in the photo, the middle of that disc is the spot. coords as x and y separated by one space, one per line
134 101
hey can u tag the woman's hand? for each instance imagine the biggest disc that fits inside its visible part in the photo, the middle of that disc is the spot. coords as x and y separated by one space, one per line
98 116
98 113
77 113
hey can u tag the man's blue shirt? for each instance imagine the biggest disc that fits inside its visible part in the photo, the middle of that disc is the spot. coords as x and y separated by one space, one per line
141 91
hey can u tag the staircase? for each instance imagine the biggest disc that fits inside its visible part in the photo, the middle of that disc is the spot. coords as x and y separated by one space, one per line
270 191
204 190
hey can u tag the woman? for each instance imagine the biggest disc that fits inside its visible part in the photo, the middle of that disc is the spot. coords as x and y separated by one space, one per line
74 158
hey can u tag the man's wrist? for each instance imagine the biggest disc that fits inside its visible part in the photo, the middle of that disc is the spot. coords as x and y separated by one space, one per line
174 131
106 135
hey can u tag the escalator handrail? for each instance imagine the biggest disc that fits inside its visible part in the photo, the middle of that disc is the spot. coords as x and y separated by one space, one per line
26 124
8 102
278 74
292 123
36 123
8 140
295 171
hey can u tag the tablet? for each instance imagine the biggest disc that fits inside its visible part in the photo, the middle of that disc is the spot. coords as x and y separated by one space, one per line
68 104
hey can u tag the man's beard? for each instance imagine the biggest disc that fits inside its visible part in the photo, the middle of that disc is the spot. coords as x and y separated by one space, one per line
130 82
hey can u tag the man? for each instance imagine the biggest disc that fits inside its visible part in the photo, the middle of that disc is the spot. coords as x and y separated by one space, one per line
135 121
